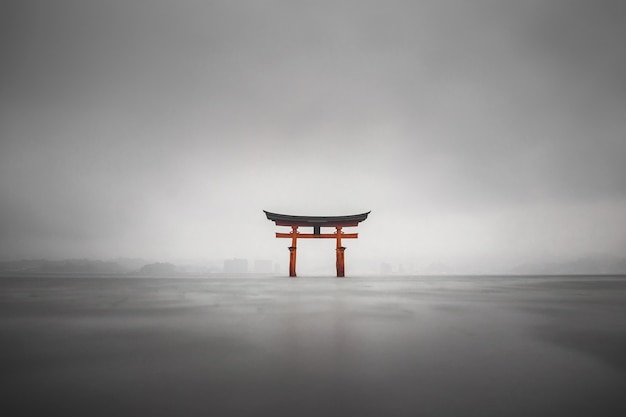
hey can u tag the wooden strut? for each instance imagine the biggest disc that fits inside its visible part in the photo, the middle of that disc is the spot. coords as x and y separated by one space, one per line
340 257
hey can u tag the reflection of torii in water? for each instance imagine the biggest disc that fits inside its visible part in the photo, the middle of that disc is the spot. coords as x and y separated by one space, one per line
317 222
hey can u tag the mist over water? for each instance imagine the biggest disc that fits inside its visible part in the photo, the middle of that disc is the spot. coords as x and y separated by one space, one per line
482 134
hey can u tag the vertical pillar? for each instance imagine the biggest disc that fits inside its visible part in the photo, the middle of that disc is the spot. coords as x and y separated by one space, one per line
292 251
292 261
340 255
340 264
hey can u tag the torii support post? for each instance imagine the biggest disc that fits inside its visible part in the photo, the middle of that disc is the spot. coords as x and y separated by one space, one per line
317 222
292 251
292 261
341 270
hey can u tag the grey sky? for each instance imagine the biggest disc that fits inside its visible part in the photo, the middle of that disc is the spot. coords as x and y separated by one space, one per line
475 131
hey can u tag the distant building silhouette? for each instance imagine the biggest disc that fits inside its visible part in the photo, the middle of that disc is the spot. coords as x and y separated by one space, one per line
385 268
236 266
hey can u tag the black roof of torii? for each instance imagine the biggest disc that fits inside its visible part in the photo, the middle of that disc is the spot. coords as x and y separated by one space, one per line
316 221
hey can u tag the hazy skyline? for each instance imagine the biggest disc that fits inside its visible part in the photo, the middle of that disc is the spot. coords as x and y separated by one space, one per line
478 132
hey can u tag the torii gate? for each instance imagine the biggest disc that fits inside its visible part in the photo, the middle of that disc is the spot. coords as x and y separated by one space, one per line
317 222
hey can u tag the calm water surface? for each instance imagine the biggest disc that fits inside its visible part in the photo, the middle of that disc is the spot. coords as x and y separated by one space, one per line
366 346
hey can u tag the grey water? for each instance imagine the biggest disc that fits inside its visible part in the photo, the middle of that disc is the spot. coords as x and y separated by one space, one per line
363 346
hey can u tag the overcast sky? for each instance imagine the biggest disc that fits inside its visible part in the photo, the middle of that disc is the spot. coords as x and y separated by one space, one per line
477 132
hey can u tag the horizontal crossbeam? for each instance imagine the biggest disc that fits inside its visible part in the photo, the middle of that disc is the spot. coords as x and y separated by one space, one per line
320 236
308 224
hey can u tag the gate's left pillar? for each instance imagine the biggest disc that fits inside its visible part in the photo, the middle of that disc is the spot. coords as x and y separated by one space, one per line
341 270
292 251
292 261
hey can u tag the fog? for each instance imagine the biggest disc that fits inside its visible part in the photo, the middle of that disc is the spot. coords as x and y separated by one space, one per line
485 134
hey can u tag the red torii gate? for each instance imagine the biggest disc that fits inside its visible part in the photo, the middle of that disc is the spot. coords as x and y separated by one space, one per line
316 222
